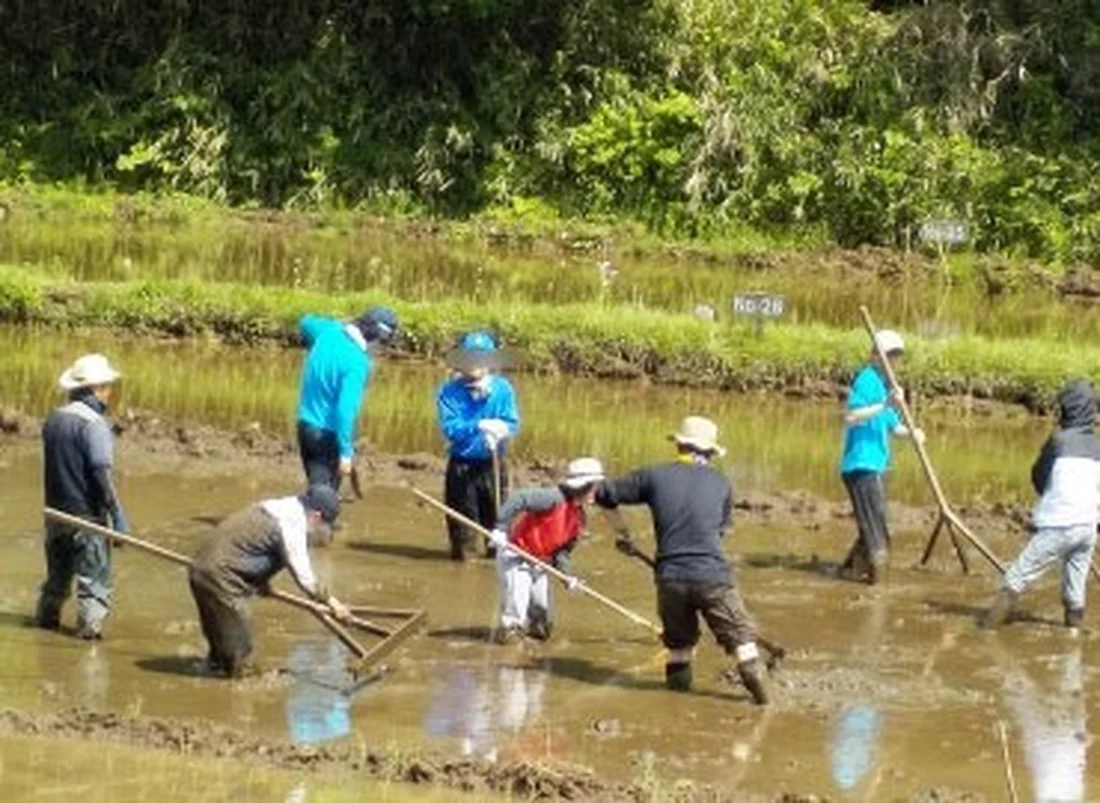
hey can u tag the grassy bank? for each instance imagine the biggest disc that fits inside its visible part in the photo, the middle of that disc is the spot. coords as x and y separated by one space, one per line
587 338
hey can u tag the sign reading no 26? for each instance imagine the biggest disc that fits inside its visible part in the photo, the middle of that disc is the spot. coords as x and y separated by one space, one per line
759 305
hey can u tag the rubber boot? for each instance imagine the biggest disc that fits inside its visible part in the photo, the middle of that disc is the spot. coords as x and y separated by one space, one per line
878 568
90 631
752 676
1001 609
855 567
540 627
678 676
47 617
1074 616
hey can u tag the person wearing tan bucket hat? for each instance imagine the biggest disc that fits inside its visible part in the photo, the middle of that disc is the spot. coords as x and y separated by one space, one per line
691 503
78 452
545 523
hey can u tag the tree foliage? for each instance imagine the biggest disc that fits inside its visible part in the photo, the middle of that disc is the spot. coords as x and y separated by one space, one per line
863 119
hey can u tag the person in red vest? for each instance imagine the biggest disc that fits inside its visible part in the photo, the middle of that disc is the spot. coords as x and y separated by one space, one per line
545 523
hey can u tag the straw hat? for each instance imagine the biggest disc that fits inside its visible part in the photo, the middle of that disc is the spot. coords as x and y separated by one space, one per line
583 471
698 433
88 371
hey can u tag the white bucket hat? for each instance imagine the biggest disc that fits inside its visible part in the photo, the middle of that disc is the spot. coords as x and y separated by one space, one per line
889 341
583 471
699 433
88 371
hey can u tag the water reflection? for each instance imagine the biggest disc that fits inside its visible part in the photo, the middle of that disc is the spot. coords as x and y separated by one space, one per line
318 704
1051 724
482 707
856 733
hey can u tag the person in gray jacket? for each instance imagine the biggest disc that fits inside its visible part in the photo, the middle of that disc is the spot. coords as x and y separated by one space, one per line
78 458
1066 475
242 555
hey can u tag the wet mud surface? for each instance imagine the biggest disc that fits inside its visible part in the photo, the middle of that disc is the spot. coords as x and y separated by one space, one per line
886 694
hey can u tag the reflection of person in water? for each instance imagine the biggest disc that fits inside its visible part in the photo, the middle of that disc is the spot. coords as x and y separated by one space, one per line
481 708
317 706
1052 726
856 732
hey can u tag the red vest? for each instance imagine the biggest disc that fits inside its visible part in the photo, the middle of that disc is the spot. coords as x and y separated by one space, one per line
543 534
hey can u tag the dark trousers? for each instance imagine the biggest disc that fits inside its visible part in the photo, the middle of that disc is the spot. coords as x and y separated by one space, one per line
468 488
320 455
224 624
681 604
87 557
868 495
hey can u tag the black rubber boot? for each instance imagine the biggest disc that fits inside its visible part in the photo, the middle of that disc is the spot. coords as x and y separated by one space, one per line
47 617
540 629
678 676
752 675
1074 616
1000 610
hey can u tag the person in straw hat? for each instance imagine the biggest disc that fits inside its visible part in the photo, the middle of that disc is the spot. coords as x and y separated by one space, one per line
477 415
691 503
78 452
870 418
545 523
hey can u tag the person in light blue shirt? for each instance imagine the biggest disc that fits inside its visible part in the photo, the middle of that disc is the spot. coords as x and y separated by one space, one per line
334 381
478 416
869 420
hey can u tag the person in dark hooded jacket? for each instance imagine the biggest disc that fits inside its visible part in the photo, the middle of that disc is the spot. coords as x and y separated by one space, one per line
1066 476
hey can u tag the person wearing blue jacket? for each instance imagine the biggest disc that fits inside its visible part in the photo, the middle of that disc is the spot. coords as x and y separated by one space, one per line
478 416
870 419
335 376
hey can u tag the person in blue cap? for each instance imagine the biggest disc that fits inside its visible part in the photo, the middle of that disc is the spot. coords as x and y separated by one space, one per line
478 416
334 381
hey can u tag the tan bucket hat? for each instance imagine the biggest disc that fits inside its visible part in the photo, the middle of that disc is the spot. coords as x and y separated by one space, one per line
699 433
583 471
88 371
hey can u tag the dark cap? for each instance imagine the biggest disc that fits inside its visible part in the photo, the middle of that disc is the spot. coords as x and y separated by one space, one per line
378 323
324 500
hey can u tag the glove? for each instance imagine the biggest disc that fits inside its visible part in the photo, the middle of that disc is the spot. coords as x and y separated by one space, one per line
339 611
494 429
897 395
345 466
498 538
918 435
625 544
573 584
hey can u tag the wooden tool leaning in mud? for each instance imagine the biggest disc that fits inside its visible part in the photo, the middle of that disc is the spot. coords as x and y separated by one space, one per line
321 612
948 518
636 618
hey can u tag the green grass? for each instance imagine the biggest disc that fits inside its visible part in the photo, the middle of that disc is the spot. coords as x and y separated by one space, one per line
583 338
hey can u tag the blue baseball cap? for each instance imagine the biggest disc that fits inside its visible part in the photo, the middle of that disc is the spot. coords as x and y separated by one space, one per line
378 323
476 349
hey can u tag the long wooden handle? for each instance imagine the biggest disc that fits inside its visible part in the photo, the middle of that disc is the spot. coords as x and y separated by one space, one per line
318 610
473 525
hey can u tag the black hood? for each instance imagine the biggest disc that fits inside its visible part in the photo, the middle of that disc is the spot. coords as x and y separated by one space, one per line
1077 405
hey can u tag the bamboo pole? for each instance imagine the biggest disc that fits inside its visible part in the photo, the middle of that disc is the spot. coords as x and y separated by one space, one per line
638 619
376 610
318 610
948 517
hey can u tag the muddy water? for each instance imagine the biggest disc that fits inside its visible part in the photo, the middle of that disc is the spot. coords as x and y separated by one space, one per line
775 444
429 268
885 694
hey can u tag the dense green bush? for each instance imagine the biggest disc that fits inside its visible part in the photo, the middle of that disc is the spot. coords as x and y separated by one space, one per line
693 116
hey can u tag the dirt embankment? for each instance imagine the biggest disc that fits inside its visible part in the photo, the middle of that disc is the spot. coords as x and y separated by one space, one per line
521 780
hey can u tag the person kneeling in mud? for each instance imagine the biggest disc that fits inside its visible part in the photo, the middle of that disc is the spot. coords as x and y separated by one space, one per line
1066 475
692 507
239 559
548 522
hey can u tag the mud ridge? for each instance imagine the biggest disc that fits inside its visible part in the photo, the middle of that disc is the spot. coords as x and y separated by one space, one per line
522 780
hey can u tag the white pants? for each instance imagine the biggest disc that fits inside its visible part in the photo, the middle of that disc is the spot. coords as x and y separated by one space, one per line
524 591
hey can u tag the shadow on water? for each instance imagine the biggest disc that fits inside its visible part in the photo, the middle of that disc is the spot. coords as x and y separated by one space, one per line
408 551
189 666
17 620
584 671
798 563
474 633
975 612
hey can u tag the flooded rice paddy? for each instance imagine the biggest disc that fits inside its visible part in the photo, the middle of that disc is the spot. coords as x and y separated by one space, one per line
886 694
818 288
